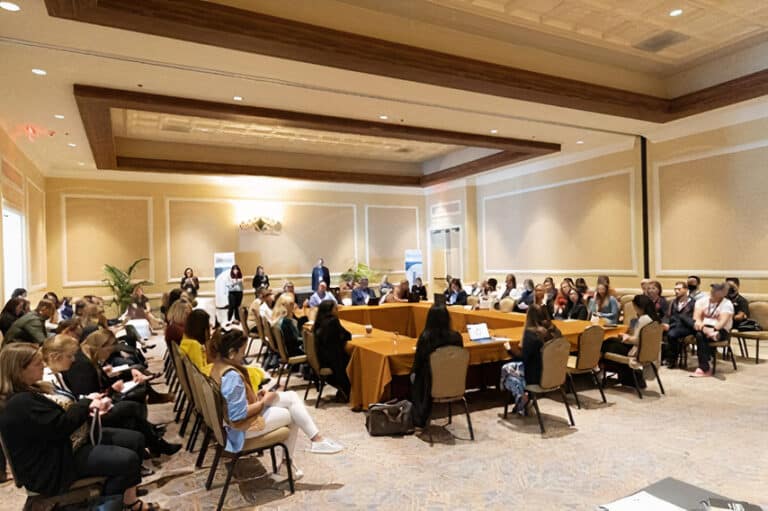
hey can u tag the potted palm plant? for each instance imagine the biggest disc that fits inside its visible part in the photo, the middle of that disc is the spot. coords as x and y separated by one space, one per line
122 284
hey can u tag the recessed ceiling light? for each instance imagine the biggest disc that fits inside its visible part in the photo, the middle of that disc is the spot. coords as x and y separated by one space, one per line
579 142
58 116
675 12
72 144
39 72
237 98
494 131
9 6
383 117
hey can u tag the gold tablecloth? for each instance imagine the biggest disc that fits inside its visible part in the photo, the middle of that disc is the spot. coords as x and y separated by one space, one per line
377 357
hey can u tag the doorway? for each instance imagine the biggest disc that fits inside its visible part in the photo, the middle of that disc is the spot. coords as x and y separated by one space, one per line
14 253
446 255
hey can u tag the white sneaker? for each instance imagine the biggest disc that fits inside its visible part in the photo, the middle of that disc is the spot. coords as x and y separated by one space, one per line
327 446
296 472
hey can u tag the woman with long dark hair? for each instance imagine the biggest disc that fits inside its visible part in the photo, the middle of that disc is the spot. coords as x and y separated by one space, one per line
527 368
626 344
437 333
331 340
234 285
253 413
189 282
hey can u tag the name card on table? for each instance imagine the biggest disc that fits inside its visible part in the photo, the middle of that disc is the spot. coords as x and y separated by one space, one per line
478 332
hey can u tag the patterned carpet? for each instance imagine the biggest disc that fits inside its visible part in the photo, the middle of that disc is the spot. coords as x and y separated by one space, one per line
709 432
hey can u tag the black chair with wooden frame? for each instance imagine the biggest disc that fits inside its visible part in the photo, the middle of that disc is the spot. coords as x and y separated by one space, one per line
449 376
318 372
252 336
554 357
586 359
759 312
648 352
214 415
286 362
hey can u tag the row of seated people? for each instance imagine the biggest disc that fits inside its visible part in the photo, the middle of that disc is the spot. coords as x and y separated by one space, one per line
53 383
253 409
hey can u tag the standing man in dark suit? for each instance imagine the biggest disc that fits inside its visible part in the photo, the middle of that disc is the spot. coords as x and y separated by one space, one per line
320 272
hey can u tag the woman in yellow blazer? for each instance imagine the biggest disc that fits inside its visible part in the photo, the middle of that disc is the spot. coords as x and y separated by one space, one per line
197 333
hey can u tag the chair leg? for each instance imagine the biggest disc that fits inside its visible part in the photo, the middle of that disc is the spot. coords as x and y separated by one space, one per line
469 421
450 412
637 383
429 428
658 380
572 385
289 465
274 460
506 404
185 422
714 363
180 409
733 357
320 393
599 387
193 434
567 406
538 412
204 447
757 351
288 378
306 392
214 466
230 470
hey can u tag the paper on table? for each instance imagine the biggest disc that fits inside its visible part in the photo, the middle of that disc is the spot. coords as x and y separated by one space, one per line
120 369
640 501
478 332
357 336
128 386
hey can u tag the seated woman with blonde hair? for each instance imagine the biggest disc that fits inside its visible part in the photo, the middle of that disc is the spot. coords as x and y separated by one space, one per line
47 436
194 344
253 413
283 318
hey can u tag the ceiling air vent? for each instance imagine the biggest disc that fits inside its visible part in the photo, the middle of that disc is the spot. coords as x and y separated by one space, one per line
661 41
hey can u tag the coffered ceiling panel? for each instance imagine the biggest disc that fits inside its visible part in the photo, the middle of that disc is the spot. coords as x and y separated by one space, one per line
156 126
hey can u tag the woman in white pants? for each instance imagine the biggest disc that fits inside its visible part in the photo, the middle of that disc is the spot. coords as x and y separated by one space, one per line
253 413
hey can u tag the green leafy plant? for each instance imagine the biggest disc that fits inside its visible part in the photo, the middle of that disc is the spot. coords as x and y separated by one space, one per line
359 271
121 283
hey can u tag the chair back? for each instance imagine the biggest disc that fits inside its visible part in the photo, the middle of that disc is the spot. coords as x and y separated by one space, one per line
449 371
759 312
629 312
312 314
213 407
266 333
650 342
277 339
590 342
554 359
507 304
310 348
181 370
191 372
625 299
473 301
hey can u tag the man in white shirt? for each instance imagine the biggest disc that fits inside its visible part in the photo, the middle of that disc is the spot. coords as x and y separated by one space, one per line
713 320
321 295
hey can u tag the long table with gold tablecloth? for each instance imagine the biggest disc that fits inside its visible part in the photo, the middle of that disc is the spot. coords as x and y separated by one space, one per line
380 355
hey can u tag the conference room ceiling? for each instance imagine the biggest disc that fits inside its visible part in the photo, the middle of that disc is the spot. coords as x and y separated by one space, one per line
127 60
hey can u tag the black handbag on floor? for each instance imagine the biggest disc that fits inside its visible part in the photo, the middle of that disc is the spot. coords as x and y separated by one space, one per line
391 418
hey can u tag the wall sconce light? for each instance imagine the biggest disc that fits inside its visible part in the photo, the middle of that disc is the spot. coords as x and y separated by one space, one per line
262 225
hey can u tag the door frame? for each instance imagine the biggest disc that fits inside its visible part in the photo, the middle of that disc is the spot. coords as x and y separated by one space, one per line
430 230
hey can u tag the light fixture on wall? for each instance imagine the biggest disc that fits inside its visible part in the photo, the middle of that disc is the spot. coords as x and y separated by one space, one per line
262 217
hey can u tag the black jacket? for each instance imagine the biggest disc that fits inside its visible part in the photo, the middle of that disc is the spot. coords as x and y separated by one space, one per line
260 281
83 377
318 274
680 318
421 387
331 340
577 311
532 344
36 431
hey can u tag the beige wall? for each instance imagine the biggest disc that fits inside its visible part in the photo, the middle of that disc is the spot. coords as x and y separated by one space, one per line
92 222
708 208
577 219
23 187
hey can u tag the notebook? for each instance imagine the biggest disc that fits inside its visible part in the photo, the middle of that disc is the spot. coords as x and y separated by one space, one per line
478 332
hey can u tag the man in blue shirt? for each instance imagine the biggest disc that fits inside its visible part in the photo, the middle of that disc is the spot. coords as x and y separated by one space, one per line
320 273
362 294
321 295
